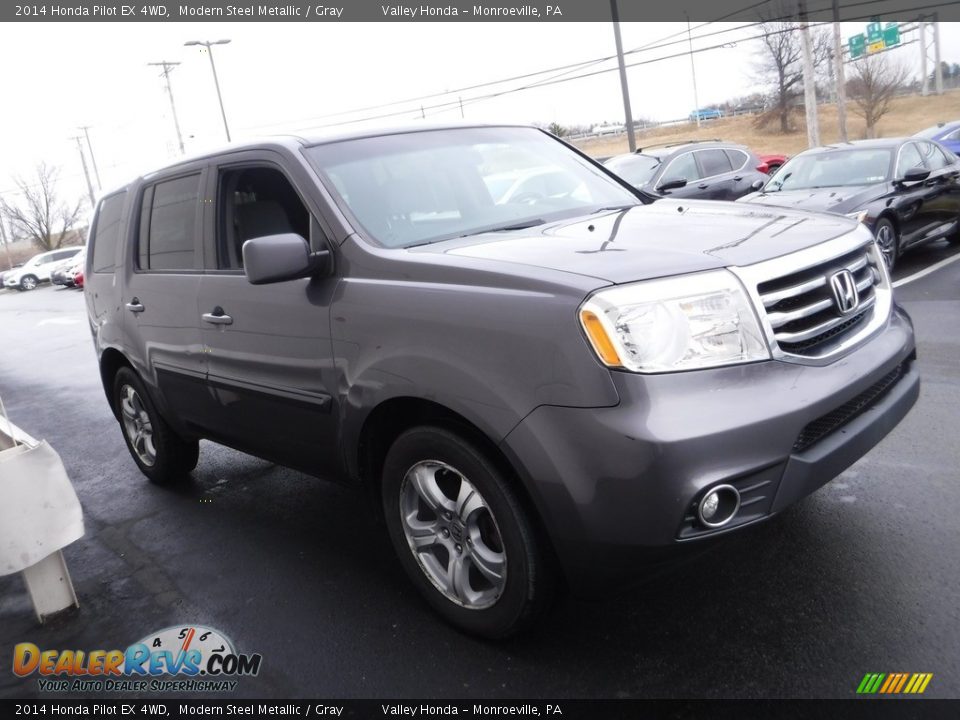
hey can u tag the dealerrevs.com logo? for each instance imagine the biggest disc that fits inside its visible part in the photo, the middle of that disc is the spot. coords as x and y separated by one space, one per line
176 659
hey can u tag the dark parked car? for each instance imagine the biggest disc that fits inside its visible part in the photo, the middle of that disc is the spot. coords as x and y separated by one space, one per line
906 190
705 170
945 133
540 389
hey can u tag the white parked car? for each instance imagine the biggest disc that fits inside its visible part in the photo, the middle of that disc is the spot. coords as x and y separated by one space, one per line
608 129
37 269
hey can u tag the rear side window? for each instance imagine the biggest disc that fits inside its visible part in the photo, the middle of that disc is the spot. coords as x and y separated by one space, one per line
106 233
738 158
168 224
713 162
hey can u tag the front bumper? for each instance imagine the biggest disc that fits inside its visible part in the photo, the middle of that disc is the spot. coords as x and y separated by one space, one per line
613 484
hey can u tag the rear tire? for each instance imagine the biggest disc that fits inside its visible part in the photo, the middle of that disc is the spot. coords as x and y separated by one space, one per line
888 241
462 535
162 455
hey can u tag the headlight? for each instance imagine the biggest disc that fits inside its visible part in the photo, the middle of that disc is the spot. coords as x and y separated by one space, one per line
695 321
859 216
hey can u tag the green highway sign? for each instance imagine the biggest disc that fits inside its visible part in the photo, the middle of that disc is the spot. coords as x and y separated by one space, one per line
858 45
876 39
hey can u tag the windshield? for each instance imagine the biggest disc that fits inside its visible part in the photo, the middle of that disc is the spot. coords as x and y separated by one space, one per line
834 168
636 169
419 187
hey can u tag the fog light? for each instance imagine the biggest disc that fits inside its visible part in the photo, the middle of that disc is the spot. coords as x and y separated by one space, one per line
710 504
719 506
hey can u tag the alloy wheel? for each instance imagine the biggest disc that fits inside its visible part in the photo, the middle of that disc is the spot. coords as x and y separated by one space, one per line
137 425
453 535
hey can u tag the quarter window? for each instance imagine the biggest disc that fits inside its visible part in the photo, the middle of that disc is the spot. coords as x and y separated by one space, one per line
169 213
106 233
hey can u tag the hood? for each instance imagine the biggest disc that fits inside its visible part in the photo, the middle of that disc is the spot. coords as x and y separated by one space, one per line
836 199
667 237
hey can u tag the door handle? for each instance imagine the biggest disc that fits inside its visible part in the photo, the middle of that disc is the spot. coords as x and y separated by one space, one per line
217 317
738 178
703 186
134 306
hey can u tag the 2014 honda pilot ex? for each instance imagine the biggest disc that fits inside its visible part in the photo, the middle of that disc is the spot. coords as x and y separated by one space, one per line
540 372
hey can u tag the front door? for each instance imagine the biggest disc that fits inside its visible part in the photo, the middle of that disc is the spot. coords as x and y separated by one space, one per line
268 347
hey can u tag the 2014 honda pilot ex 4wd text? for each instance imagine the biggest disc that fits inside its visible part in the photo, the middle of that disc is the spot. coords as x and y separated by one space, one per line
541 373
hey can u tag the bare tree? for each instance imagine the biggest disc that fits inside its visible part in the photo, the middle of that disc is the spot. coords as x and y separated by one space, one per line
874 82
780 68
41 214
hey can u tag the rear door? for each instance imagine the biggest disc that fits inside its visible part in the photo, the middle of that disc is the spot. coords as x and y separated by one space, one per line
268 346
716 174
944 172
159 297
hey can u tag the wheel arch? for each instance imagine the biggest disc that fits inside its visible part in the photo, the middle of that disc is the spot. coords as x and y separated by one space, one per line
111 360
393 416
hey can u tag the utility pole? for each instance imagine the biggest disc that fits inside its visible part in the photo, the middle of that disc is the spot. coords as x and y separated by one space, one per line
461 107
693 71
93 160
631 138
167 67
809 82
86 172
838 73
6 245
938 68
922 26
208 44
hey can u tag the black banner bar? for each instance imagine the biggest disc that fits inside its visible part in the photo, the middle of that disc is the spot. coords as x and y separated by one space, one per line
873 708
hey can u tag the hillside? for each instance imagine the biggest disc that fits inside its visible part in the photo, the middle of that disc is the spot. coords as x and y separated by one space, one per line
908 114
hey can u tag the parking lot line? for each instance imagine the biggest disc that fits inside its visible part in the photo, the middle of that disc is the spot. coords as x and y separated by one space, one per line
926 271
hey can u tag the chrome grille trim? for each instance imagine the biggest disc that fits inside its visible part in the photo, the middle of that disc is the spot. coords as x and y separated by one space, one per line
796 308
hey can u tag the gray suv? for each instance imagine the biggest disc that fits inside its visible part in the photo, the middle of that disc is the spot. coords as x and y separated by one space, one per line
541 386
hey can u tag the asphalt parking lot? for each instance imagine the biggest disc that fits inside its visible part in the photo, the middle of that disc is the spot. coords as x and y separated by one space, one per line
861 577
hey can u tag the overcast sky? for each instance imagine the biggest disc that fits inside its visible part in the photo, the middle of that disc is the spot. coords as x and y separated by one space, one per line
286 77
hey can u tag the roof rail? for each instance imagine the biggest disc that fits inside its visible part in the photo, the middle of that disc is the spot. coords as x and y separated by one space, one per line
677 143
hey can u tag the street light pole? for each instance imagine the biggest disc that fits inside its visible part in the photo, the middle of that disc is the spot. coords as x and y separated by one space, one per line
209 46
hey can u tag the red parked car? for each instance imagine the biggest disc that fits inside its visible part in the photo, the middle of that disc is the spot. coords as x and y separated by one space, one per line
770 163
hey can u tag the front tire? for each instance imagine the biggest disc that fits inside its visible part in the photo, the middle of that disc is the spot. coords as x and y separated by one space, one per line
161 454
888 241
28 282
462 535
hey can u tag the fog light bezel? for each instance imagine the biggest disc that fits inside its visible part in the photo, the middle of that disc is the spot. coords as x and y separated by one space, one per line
721 491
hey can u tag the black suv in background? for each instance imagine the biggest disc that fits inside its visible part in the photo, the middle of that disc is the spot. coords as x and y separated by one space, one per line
705 170
537 381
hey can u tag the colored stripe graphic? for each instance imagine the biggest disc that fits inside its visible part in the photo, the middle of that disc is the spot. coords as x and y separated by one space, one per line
894 683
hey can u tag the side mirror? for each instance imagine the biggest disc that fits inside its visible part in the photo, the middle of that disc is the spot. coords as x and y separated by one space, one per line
277 258
915 174
672 185
757 184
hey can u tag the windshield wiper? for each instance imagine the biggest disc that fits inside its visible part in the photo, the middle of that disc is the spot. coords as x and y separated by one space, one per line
522 225
613 208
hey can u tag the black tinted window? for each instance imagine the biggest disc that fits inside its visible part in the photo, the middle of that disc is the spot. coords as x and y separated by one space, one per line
713 162
682 168
172 222
106 232
738 158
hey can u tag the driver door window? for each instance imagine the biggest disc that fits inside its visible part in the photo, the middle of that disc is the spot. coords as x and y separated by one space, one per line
682 168
909 158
